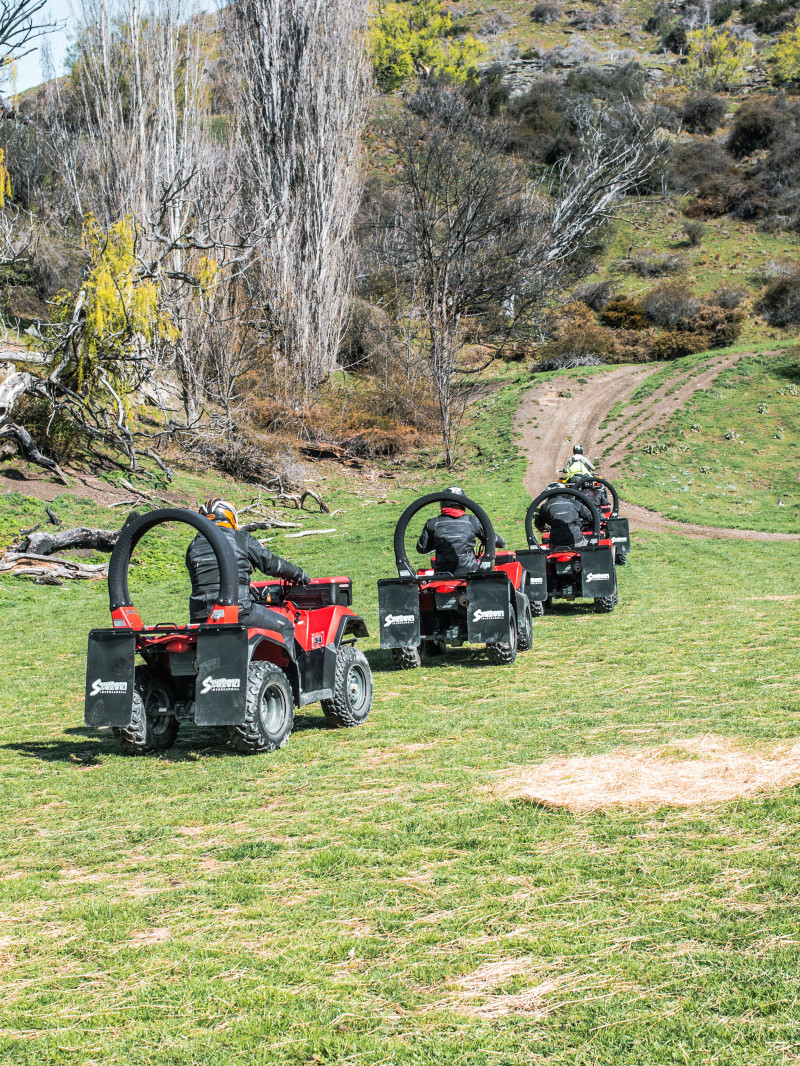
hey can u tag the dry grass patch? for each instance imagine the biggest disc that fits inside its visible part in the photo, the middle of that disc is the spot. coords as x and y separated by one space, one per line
686 773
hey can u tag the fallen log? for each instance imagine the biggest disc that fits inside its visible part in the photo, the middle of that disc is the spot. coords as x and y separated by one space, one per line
309 533
50 570
45 542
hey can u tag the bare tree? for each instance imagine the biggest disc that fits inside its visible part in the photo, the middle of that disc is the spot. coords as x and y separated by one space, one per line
305 82
21 23
478 247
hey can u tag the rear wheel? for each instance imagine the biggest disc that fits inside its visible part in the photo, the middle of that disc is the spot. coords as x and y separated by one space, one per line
406 658
525 630
270 711
352 691
152 727
605 604
505 651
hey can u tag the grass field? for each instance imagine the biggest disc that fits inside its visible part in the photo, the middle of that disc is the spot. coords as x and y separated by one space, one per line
360 897
731 453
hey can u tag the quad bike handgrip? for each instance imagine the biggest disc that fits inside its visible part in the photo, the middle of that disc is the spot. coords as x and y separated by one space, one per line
404 567
589 480
562 490
135 528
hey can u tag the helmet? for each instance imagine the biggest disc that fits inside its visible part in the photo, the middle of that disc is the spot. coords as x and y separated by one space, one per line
578 449
456 490
221 512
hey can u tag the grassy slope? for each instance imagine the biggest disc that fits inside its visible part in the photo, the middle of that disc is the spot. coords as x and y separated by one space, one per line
323 904
704 476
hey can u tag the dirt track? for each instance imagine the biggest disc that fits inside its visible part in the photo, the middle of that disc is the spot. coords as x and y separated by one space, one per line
550 424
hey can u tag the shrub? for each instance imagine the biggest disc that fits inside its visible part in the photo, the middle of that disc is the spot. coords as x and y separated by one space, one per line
406 39
547 11
756 126
675 38
670 305
770 16
780 301
694 233
656 266
702 112
543 129
721 325
624 313
728 296
627 81
786 55
721 11
577 340
595 294
677 344
603 15
716 59
496 24
693 164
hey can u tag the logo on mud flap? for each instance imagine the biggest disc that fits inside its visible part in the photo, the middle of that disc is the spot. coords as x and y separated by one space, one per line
597 577
618 540
398 620
479 616
537 581
220 684
99 686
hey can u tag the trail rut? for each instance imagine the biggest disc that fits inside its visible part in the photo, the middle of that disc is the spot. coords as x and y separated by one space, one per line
549 424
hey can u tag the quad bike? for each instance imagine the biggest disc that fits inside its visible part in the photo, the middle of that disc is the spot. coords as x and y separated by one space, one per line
222 673
423 612
572 573
614 527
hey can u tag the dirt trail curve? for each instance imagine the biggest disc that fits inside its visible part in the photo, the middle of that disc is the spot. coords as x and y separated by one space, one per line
549 424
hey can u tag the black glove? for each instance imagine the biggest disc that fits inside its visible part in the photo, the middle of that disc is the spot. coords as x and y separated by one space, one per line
299 577
499 542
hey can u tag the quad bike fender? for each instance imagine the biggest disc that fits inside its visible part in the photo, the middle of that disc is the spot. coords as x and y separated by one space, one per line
110 663
535 562
598 573
619 534
316 667
489 604
398 612
223 656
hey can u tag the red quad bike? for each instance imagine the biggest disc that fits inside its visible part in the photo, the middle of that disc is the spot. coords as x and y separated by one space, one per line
424 612
221 673
572 573
611 525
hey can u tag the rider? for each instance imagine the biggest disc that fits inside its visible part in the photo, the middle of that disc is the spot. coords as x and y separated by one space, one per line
565 515
578 463
452 535
250 554
593 489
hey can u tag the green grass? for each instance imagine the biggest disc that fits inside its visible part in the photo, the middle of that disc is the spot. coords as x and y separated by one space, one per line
730 454
324 904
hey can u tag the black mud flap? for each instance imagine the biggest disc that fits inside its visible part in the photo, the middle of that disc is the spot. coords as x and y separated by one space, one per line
110 663
488 608
620 534
222 661
398 610
535 562
598 577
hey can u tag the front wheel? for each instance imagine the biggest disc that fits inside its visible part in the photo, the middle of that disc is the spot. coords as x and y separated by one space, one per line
407 658
270 711
621 558
352 690
605 604
152 727
525 629
505 651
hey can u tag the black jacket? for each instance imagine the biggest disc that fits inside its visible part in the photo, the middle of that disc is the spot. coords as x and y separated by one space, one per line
453 541
204 572
565 516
